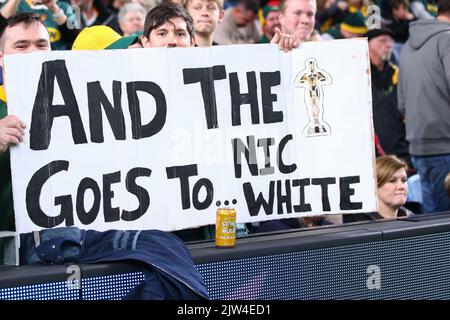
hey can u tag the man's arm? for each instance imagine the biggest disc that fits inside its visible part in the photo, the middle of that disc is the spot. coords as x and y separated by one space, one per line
58 14
9 8
11 132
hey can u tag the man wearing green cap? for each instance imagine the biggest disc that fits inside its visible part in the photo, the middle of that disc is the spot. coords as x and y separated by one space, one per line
353 26
270 13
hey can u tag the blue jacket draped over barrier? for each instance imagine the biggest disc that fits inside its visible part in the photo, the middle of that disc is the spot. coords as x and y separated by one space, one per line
170 272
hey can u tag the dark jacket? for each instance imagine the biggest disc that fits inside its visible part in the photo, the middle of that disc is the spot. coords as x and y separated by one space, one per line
170 272
387 119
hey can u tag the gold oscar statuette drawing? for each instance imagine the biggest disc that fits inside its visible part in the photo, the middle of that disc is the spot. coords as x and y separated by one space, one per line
312 79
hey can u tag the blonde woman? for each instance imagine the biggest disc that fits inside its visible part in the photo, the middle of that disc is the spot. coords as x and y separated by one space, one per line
392 191
392 187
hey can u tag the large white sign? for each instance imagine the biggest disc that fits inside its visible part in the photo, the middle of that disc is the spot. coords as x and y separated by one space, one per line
159 138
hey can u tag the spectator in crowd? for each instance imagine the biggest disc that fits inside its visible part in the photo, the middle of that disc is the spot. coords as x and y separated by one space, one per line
7 10
56 16
131 18
168 26
206 15
239 25
61 23
270 14
297 17
59 17
24 33
401 17
95 12
354 25
392 191
392 187
424 98
330 13
387 119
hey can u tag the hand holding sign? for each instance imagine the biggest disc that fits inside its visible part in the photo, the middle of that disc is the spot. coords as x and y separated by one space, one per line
286 42
11 132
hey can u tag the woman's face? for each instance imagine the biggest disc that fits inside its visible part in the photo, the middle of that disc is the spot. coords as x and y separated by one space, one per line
393 193
132 22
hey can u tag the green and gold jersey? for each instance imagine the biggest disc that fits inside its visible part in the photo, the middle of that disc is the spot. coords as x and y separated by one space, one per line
55 35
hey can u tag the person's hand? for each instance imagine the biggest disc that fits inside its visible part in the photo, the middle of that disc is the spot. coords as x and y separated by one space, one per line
286 42
11 132
51 5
